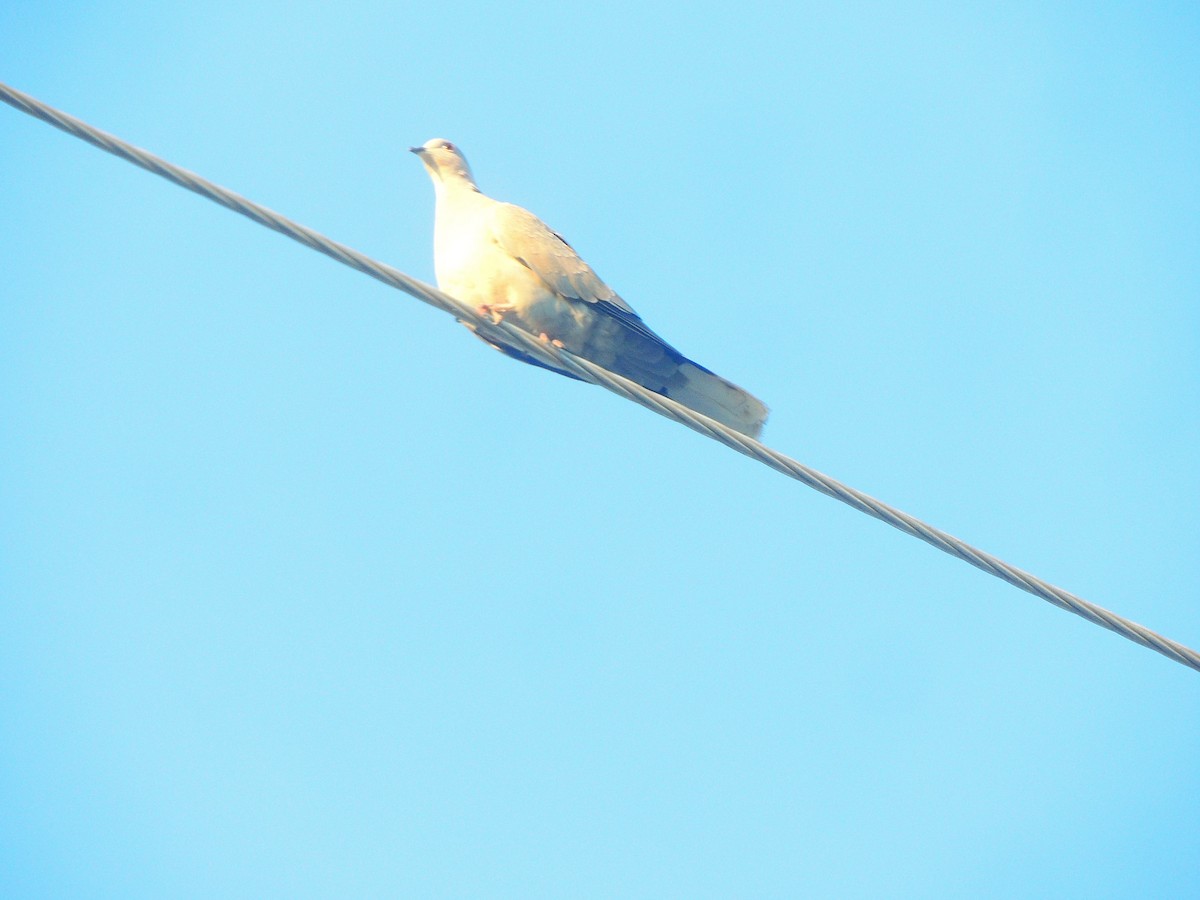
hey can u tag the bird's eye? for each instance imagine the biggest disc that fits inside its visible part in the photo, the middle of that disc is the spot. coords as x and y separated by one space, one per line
446 145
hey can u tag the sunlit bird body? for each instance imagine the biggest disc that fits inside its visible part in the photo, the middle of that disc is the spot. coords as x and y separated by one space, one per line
507 263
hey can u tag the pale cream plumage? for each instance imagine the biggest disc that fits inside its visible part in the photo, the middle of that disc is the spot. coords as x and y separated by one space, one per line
508 263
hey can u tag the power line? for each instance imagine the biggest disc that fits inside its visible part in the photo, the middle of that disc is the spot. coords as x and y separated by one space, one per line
594 374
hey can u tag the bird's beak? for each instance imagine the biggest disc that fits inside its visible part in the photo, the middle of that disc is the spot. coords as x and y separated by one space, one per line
416 150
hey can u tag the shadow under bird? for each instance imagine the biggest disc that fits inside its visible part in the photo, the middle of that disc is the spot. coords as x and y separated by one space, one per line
507 263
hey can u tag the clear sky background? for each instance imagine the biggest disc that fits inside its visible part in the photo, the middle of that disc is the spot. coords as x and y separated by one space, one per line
304 592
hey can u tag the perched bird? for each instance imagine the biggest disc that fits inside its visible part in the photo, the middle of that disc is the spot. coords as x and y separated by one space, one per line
504 261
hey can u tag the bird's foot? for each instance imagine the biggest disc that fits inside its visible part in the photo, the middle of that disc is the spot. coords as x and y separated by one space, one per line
545 339
494 311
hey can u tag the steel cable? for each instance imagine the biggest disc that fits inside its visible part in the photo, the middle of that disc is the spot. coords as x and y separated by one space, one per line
594 374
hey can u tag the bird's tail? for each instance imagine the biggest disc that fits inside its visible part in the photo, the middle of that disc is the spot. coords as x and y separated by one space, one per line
706 392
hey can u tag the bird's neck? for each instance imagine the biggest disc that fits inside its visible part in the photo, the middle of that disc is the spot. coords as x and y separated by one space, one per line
454 182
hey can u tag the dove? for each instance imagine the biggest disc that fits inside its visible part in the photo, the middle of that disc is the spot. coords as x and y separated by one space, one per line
509 265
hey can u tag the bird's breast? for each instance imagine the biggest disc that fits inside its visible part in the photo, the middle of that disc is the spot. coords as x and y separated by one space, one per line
472 267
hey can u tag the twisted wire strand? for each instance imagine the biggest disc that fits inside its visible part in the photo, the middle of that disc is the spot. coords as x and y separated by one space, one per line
595 374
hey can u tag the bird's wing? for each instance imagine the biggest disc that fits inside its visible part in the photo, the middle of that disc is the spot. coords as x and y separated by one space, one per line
620 340
544 252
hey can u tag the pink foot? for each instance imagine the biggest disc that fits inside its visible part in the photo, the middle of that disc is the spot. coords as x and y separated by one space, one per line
494 311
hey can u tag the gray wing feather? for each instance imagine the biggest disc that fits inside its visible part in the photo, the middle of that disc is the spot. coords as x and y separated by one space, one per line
625 345
527 238
546 253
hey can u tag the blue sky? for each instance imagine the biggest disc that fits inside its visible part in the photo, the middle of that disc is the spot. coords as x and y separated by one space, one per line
306 593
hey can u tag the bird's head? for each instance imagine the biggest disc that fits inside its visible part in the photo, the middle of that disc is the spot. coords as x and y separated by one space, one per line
444 161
